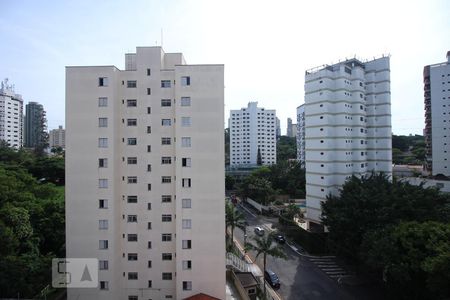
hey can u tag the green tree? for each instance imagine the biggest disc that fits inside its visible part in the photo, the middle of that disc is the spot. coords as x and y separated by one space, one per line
286 148
233 219
229 182
258 189
289 213
266 246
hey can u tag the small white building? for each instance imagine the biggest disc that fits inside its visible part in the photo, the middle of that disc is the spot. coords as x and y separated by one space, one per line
11 116
57 137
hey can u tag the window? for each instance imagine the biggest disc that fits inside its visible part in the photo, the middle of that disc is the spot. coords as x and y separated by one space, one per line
102 224
103 203
149 91
131 103
166 122
131 122
132 237
104 285
149 72
133 298
103 81
132 218
166 218
132 160
102 122
187 223
185 80
103 244
149 186
103 143
187 285
132 256
187 264
166 179
102 102
186 121
186 244
165 83
132 141
103 183
149 129
185 101
166 256
186 203
166 198
166 237
186 142
165 141
103 264
132 199
131 83
149 110
166 160
186 161
149 245
149 265
149 168
132 179
102 162
132 275
166 276
166 102
186 182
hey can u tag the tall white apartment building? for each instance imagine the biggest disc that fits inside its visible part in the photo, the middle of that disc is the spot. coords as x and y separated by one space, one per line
11 116
436 79
252 129
301 135
57 137
348 126
145 176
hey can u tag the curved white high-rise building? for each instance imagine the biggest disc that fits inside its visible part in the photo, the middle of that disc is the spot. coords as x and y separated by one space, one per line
348 126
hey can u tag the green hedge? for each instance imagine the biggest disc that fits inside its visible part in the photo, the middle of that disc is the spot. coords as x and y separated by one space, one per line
312 242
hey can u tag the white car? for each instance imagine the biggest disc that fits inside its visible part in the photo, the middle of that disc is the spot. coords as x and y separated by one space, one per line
259 231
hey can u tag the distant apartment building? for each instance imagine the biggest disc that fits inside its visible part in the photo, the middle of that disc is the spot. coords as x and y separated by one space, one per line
57 137
35 125
291 130
436 79
252 130
145 176
278 128
11 116
301 135
347 126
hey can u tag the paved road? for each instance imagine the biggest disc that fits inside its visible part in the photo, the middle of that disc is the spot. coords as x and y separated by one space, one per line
301 278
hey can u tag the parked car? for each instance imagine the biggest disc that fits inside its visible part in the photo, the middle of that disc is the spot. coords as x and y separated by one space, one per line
259 231
280 239
272 279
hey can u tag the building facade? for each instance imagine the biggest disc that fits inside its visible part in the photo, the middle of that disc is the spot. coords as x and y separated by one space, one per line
35 125
145 176
291 130
278 128
436 79
11 116
57 137
252 130
301 135
347 126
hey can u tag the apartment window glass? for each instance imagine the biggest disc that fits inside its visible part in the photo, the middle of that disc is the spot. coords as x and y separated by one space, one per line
131 102
166 160
166 218
149 72
166 237
187 285
166 276
186 203
149 168
103 143
103 203
186 182
166 102
186 161
186 142
149 245
102 162
103 183
185 80
149 110
132 237
166 122
166 256
131 122
102 102
165 83
165 141
132 160
132 218
131 83
132 276
186 244
149 265
132 256
149 91
102 224
166 198
187 223
187 264
133 298
104 285
166 179
103 81
132 179
103 264
149 225
185 101
149 148
149 129
103 244
186 121
132 199
132 141
102 122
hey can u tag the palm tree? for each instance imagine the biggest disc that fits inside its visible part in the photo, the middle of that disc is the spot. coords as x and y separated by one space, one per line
266 246
233 219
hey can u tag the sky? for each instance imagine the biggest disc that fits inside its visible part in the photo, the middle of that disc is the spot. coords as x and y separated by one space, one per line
266 46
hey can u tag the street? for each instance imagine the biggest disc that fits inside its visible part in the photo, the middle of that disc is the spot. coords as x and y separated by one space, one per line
300 278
